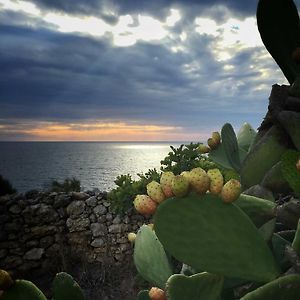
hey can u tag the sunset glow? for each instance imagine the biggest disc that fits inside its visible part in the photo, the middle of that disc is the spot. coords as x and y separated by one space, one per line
119 131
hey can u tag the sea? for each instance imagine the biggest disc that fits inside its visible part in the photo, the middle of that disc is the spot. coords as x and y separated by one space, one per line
34 165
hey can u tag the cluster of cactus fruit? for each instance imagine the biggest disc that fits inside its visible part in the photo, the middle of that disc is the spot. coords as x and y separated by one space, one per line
196 180
64 287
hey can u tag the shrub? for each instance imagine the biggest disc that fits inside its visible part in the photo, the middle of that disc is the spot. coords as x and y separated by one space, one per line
6 187
69 185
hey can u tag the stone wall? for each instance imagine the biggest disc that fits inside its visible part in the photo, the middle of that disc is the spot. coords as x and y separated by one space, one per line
37 228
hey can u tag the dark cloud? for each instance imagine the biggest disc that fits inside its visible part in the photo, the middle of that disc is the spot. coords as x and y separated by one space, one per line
47 75
155 8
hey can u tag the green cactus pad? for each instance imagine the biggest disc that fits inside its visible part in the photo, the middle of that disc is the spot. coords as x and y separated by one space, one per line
274 180
289 170
219 156
143 295
199 286
23 290
278 24
257 209
150 258
267 229
208 234
296 241
231 148
65 287
265 154
246 136
283 288
279 245
291 122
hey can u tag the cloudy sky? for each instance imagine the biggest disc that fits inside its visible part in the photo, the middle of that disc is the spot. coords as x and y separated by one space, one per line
130 70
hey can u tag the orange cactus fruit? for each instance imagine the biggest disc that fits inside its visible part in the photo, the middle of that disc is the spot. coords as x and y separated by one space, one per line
156 293
144 205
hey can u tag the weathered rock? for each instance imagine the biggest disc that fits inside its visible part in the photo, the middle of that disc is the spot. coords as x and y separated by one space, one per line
79 224
75 208
15 209
46 241
92 201
98 229
80 196
115 228
98 242
62 200
99 210
34 254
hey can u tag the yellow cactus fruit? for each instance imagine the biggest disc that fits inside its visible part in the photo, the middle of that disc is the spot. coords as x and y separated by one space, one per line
5 280
231 191
216 181
199 180
203 149
155 192
131 237
298 164
151 226
212 143
216 137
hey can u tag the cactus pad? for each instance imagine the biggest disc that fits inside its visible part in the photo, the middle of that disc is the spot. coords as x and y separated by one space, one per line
283 288
65 287
23 290
290 120
257 209
210 235
231 147
150 258
289 170
264 154
199 286
143 295
246 136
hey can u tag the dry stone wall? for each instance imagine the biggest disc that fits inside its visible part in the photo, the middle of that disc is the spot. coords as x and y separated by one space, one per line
37 228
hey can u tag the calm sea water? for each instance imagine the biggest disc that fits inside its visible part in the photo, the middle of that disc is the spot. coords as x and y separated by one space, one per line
33 165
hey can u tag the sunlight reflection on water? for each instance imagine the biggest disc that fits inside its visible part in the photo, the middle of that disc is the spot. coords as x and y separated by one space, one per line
33 165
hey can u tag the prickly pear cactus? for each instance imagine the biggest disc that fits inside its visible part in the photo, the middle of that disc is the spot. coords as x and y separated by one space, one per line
283 288
199 286
65 287
23 290
143 295
290 171
150 258
215 237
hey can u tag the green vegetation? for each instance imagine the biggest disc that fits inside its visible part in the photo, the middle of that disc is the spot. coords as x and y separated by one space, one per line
6 187
122 196
68 185
180 159
64 287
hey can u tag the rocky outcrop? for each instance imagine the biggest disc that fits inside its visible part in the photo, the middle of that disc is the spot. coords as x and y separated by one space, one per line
37 228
